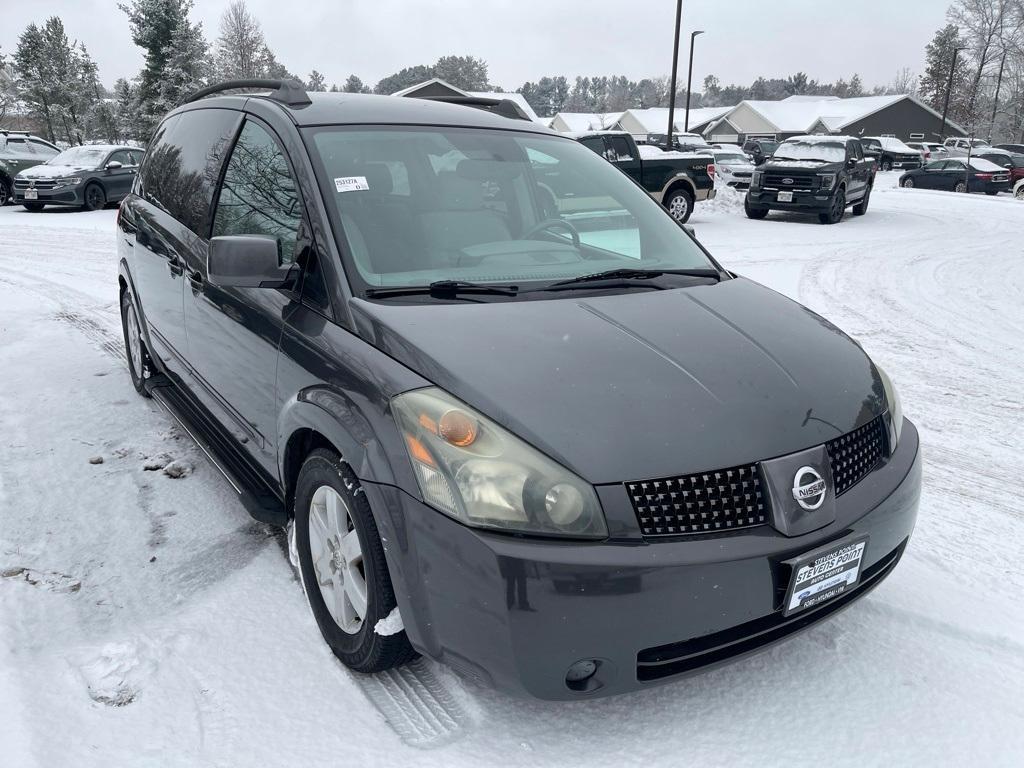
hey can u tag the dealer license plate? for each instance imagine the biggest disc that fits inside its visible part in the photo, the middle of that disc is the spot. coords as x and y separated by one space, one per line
785 197
31 194
824 575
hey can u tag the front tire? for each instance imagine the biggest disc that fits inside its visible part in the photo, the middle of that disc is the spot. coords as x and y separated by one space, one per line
887 165
95 197
1019 194
139 364
342 565
836 210
754 212
6 193
907 184
679 204
961 186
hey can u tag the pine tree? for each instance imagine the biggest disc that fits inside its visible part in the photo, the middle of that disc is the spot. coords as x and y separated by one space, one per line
188 66
316 82
153 24
935 81
35 77
354 85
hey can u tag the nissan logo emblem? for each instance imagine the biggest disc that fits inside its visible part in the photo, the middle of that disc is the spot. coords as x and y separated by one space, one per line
809 488
787 181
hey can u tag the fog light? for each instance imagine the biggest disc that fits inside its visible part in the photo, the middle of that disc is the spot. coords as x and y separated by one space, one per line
580 671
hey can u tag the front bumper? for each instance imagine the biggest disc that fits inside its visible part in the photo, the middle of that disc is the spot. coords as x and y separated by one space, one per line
70 195
517 613
803 200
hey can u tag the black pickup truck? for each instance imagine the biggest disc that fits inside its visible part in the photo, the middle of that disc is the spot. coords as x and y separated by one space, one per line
817 174
675 180
889 153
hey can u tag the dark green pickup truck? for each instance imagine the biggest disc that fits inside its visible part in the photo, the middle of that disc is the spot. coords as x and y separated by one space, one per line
675 180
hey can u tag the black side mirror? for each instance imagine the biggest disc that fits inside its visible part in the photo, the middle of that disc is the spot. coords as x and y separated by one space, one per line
246 261
851 162
113 165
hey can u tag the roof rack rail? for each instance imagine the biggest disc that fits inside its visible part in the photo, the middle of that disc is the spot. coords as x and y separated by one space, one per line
7 131
288 92
504 107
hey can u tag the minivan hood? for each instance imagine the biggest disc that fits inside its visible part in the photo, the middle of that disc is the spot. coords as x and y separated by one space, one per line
643 384
52 171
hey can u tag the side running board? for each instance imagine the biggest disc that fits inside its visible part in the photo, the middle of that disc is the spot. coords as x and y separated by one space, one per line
257 498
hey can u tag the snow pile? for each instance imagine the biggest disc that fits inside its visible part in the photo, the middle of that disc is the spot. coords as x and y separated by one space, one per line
390 624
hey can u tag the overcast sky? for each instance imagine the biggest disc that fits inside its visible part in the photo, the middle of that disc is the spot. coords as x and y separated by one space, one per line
527 39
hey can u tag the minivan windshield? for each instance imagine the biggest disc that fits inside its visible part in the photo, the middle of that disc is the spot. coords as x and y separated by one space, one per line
826 151
83 157
419 205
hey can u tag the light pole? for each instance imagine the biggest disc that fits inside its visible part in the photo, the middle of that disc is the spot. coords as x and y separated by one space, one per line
675 64
689 80
995 102
949 87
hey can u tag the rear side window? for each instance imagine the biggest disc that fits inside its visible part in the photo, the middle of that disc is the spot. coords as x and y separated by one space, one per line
184 163
594 145
259 196
621 148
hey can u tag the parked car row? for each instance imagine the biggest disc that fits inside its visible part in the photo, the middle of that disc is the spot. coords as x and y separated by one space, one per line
35 173
960 174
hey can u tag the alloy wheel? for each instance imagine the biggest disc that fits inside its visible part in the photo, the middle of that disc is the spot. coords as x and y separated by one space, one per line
960 187
337 557
838 206
134 342
94 197
679 207
908 183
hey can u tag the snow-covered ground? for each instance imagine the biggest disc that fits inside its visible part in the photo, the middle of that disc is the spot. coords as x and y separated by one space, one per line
146 620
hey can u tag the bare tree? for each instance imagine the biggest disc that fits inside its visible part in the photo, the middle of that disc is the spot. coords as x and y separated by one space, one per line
241 47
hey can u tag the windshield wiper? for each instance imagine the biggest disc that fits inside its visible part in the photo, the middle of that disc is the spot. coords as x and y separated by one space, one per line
443 289
632 274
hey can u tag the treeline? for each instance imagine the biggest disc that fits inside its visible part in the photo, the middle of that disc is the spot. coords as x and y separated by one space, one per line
51 80
617 93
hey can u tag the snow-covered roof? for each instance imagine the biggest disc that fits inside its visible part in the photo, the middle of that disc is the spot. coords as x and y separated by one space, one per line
585 121
655 119
799 113
518 98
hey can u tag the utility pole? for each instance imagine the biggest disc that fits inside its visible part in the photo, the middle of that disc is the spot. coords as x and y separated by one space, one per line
689 80
949 88
675 64
995 102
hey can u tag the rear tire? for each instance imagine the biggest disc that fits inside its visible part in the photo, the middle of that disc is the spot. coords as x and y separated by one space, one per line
34 207
754 212
679 204
862 207
139 364
326 483
887 165
6 193
95 197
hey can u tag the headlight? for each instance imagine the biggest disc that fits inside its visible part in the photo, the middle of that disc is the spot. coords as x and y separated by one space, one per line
479 473
892 402
755 180
67 181
828 180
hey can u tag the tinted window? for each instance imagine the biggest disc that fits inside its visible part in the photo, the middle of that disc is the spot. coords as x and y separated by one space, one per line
20 147
938 165
595 144
621 148
259 196
122 156
184 163
42 149
855 150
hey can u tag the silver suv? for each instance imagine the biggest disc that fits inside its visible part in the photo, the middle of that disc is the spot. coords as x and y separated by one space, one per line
20 150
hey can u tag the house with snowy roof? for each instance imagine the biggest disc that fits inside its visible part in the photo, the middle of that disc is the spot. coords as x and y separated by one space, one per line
641 122
905 117
578 122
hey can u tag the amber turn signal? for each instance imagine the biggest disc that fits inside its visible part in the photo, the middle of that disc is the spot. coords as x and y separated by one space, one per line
458 428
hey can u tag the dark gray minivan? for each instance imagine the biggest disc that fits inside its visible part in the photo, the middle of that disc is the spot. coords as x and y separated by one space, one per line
521 421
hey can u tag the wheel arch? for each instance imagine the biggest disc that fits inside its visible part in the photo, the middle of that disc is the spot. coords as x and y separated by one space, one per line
322 417
679 182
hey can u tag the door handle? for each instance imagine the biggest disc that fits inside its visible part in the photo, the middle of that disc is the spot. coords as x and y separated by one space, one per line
196 278
176 267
